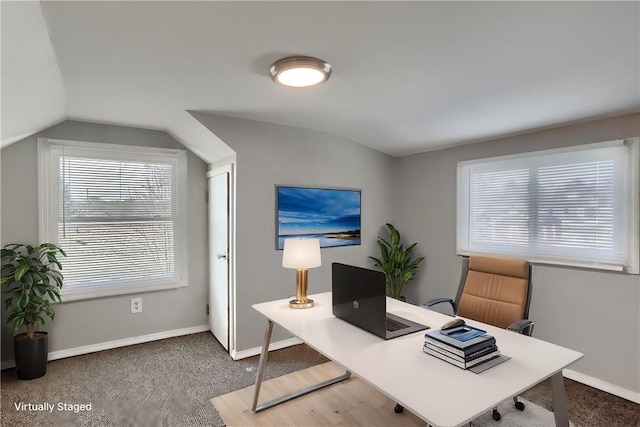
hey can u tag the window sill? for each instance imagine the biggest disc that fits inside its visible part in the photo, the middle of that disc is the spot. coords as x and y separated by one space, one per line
566 263
79 295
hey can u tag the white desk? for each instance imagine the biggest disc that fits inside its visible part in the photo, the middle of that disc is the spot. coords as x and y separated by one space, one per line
441 394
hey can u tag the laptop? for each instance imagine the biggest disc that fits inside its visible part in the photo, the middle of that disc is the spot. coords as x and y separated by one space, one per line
359 297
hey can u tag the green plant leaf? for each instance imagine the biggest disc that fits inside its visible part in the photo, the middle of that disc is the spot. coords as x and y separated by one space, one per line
31 276
410 248
28 280
384 250
376 261
6 252
395 235
397 263
383 240
39 319
20 271
54 295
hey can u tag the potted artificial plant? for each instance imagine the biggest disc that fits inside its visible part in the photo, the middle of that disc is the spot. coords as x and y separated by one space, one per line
396 263
31 276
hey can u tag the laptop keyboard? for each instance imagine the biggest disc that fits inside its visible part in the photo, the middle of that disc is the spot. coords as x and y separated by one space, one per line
394 325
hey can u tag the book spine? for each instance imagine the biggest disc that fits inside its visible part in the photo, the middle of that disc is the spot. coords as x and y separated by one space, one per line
482 359
444 346
443 357
458 363
463 345
481 353
468 358
461 352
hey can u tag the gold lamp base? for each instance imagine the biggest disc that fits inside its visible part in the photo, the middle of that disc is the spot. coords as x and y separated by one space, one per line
301 300
294 303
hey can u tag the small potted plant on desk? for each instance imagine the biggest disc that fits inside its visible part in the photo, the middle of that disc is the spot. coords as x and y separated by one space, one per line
31 276
396 263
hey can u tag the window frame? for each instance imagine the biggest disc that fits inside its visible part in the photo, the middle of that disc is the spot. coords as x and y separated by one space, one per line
463 226
49 188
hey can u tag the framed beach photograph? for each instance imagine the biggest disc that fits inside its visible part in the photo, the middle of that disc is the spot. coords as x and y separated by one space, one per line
330 214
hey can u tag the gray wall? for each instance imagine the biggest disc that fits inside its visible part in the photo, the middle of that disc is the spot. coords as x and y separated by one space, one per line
571 307
94 321
269 154
594 312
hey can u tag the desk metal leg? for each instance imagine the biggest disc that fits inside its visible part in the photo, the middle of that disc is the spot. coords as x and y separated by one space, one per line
264 355
261 364
560 408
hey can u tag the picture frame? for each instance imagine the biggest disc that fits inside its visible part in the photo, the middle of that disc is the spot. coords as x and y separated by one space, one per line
333 215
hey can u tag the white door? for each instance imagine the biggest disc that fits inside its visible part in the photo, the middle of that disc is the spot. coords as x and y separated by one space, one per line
219 256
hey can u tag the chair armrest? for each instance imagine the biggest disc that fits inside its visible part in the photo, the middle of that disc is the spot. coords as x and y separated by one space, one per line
435 301
523 326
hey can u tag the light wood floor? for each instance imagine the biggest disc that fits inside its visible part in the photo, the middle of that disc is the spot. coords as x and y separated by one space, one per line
348 403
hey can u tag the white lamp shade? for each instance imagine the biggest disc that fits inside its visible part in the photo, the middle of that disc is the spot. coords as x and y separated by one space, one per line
301 253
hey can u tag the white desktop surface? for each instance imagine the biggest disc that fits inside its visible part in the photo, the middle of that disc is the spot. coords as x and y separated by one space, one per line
441 394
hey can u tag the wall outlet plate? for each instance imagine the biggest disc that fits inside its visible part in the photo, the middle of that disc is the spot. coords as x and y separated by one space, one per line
136 305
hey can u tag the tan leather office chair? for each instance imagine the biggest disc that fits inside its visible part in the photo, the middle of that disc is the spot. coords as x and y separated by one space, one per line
494 290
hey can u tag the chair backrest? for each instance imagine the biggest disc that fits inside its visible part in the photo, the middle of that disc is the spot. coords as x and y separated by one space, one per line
494 290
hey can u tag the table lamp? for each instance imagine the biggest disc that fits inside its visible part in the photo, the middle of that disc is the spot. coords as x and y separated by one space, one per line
301 254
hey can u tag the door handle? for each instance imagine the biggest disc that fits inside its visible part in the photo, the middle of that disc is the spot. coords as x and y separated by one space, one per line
221 256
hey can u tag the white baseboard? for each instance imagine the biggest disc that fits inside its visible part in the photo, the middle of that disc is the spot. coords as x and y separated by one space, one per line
624 393
236 355
77 351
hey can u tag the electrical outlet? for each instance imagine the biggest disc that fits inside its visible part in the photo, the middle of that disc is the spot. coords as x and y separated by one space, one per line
136 305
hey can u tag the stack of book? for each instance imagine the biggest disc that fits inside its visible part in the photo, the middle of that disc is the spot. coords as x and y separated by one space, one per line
464 347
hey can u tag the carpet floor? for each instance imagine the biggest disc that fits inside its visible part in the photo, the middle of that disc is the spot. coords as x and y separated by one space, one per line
170 383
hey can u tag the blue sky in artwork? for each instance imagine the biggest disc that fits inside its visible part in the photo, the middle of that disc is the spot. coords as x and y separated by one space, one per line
312 210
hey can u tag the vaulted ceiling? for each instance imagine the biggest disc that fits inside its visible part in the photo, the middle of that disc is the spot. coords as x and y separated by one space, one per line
408 76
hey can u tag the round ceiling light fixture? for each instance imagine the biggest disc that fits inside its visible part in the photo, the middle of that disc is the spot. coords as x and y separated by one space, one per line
300 71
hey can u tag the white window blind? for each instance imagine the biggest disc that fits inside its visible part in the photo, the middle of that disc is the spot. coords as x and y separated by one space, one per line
119 213
575 206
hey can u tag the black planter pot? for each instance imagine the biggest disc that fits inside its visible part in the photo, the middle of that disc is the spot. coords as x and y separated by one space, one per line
31 355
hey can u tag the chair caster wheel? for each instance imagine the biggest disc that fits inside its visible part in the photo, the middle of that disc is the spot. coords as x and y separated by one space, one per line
496 415
520 406
398 409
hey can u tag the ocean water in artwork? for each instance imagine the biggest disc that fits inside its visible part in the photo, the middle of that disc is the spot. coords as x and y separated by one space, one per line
332 215
325 240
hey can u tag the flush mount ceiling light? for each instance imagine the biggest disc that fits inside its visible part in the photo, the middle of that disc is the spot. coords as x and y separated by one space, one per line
300 71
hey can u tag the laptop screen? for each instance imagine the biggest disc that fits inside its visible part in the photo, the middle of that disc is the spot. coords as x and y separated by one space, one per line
359 297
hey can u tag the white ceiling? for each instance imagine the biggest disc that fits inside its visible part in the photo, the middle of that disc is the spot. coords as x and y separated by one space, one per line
408 76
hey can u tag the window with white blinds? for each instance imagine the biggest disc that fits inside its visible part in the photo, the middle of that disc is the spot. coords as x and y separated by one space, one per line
575 206
118 211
